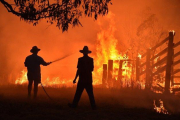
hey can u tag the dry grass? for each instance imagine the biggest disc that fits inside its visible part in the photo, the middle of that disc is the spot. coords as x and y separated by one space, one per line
127 104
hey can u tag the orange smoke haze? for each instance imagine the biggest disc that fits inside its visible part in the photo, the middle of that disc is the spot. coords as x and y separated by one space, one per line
18 37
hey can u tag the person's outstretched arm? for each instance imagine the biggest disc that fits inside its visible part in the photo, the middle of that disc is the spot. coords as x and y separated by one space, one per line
45 63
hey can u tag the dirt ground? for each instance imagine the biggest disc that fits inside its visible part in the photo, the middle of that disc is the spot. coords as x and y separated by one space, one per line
112 104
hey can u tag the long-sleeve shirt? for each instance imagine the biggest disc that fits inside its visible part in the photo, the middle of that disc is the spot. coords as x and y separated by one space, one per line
33 62
85 67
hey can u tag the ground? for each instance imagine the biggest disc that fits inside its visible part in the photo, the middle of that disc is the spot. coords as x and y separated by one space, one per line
113 104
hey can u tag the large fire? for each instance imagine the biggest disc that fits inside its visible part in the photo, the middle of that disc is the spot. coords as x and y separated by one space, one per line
105 50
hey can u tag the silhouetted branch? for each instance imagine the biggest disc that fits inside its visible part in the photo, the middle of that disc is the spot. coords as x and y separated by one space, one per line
10 8
63 12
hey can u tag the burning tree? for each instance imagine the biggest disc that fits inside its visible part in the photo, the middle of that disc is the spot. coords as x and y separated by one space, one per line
62 12
149 33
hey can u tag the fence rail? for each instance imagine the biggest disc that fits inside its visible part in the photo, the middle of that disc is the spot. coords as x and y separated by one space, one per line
167 57
163 61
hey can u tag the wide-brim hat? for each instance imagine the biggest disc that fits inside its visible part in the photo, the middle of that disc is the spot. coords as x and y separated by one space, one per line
85 50
35 49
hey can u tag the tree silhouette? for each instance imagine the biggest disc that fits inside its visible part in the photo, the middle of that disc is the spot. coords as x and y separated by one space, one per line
61 12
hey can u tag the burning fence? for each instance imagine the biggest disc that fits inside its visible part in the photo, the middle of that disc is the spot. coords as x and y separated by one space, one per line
121 75
154 70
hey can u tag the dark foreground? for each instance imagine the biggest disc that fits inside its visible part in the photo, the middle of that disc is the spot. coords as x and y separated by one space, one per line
113 104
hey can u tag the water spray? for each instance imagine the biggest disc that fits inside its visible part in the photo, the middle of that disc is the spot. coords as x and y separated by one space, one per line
53 62
63 57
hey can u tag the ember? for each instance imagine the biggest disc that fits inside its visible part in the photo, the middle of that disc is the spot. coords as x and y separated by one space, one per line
161 108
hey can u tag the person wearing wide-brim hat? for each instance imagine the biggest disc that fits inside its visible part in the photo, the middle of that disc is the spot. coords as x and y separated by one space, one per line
33 62
35 49
85 50
84 71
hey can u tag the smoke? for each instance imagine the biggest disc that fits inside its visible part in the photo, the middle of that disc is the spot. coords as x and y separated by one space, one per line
18 37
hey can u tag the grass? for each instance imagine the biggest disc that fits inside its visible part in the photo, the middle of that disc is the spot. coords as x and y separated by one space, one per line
113 104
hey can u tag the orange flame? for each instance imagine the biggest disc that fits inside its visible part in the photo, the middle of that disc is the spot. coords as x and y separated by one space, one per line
53 82
23 78
50 82
106 49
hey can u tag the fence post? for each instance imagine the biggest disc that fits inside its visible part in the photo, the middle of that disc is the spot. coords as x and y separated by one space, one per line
169 62
172 70
137 69
110 71
148 70
104 78
120 72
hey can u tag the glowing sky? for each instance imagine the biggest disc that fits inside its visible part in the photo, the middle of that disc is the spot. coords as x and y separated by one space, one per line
17 37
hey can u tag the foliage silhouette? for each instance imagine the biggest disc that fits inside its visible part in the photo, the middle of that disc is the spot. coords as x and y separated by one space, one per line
61 12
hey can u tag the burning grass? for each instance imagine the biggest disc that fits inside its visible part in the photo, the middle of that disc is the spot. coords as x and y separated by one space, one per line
112 104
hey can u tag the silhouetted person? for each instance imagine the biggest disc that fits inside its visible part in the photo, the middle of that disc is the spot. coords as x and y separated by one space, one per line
84 71
33 63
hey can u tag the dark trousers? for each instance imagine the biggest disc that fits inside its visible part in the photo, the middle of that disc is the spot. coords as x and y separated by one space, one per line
79 90
30 87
